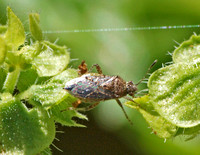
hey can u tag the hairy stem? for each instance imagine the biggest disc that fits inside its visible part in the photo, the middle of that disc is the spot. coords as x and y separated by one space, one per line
11 80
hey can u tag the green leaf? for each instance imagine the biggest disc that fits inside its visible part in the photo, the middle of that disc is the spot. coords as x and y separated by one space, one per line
23 131
26 55
28 52
46 151
64 116
26 79
174 92
3 29
160 126
52 59
188 51
189 133
11 80
52 97
52 92
34 20
15 35
2 50
2 78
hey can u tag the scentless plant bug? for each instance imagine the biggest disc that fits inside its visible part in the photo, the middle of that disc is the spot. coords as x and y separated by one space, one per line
95 87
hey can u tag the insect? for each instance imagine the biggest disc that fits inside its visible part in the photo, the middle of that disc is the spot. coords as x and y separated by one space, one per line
95 87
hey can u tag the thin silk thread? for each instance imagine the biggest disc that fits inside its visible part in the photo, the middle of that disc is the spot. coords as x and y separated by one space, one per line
123 29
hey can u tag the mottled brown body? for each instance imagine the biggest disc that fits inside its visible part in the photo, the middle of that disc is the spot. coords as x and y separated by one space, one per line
116 85
93 87
96 87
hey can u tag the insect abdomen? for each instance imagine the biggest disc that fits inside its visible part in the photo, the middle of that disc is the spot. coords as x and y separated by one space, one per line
88 90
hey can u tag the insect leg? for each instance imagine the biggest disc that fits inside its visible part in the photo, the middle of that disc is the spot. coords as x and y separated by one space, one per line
88 108
82 68
98 68
120 104
130 99
74 106
142 92
76 103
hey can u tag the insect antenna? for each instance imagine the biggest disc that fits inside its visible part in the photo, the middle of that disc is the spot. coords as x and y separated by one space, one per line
147 72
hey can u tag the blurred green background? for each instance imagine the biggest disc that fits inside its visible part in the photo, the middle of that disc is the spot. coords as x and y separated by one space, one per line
127 54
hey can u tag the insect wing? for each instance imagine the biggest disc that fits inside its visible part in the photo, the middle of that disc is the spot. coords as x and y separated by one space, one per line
89 88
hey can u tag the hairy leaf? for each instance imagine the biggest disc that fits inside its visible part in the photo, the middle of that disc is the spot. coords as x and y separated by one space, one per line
15 35
53 97
51 92
23 131
26 79
188 51
63 115
3 29
46 151
174 93
188 133
52 59
160 126
2 78
2 50
34 20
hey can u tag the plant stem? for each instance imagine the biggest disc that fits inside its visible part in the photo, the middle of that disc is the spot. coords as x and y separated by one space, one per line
11 80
